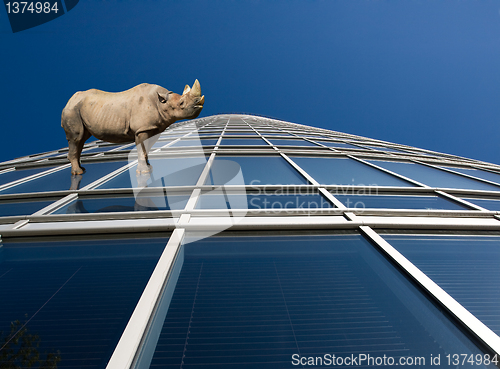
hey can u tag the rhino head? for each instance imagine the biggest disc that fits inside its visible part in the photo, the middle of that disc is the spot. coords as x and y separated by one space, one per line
185 106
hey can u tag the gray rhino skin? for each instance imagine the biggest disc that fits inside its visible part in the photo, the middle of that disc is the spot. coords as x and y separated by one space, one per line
129 116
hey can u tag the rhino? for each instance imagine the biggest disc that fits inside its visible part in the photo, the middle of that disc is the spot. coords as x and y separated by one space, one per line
134 115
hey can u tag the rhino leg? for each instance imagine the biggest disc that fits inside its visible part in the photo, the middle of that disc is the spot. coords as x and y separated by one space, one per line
143 145
76 134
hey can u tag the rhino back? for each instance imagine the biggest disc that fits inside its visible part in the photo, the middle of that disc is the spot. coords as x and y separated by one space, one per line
107 115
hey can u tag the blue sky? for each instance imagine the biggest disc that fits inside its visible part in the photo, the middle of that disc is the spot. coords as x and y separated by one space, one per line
422 73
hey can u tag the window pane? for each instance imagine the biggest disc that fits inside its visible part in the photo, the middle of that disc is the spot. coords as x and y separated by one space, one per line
267 202
20 173
121 203
166 172
22 207
61 180
77 296
479 173
397 202
337 171
433 177
240 142
488 204
256 170
253 302
464 266
292 142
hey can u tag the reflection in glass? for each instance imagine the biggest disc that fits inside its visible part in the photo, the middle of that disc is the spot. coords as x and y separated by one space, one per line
76 295
121 203
256 170
433 177
339 171
464 266
253 302
177 171
397 202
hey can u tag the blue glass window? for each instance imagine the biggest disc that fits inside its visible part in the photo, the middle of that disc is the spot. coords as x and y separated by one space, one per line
253 302
483 174
397 202
22 207
77 296
120 203
61 180
278 142
339 171
489 204
177 171
14 175
267 201
256 170
464 266
433 177
243 142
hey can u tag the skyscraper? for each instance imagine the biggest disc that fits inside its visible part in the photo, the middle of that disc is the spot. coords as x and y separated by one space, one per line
254 243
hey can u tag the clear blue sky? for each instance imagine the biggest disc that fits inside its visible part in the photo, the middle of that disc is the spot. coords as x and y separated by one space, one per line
422 73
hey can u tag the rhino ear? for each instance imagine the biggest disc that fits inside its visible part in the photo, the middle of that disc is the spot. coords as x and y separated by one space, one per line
163 97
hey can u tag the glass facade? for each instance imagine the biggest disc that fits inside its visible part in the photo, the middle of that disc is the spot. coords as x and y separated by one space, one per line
236 253
76 296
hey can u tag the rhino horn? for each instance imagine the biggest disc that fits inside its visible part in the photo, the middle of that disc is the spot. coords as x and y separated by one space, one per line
196 89
202 100
186 90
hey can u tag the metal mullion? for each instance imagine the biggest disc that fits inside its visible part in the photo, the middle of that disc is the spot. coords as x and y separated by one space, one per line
451 171
299 169
204 173
460 201
332 198
7 170
55 205
389 171
478 328
334 149
138 341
